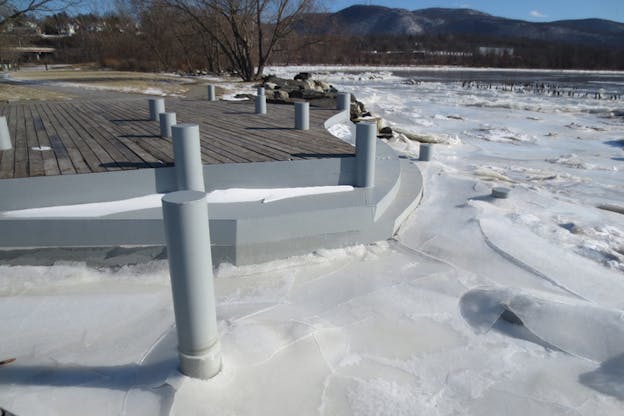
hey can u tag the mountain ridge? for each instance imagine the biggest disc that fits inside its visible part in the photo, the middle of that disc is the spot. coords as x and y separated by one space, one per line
363 20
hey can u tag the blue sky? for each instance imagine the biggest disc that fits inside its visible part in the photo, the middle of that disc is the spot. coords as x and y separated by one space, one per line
531 10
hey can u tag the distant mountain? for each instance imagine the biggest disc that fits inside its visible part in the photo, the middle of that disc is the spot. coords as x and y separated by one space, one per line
376 20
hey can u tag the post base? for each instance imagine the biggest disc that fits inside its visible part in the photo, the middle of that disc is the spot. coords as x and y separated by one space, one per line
204 366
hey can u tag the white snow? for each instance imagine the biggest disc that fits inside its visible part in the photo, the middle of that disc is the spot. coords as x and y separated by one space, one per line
219 196
418 325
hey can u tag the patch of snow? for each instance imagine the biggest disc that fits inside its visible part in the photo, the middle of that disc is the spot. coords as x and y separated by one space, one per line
220 196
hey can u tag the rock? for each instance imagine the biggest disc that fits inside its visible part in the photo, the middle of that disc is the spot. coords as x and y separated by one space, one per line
318 93
280 95
308 84
323 85
357 108
385 132
376 120
312 94
416 137
303 76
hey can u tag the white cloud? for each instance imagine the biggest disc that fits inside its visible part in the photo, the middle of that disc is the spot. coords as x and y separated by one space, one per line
537 13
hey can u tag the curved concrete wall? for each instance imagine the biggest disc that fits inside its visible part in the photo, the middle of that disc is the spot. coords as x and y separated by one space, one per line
241 233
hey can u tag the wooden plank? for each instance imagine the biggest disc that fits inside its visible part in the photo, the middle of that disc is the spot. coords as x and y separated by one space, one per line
7 164
108 126
62 153
50 164
123 158
142 136
146 130
89 152
113 134
35 154
219 132
102 158
274 140
21 146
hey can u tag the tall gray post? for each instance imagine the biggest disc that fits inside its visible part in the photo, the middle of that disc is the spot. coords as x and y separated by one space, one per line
261 107
5 136
156 106
187 157
302 116
424 152
365 153
187 235
343 101
260 91
212 95
166 121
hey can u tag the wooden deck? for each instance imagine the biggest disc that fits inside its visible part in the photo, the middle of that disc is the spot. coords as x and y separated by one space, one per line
85 136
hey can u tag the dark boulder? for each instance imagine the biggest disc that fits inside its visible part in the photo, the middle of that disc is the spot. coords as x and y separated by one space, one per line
303 76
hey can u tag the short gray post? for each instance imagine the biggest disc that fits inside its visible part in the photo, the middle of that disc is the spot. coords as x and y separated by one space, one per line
5 136
365 150
166 121
500 192
260 91
343 101
261 107
156 106
302 116
187 157
424 152
212 95
187 235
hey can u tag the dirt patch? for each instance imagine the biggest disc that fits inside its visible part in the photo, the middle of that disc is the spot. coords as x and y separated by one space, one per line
20 93
133 82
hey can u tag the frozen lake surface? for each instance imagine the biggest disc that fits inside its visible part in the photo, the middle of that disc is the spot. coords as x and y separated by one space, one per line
479 306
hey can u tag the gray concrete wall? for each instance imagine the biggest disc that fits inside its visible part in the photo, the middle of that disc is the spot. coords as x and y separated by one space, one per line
44 191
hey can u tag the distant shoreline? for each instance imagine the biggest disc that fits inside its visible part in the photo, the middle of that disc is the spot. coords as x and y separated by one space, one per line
307 68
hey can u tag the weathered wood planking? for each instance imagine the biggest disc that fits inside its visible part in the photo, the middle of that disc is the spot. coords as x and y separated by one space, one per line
85 136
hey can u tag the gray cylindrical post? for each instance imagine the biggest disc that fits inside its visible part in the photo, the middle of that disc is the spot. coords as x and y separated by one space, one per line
500 192
187 234
302 116
5 136
260 91
261 107
343 101
424 152
212 94
166 121
365 150
187 157
156 106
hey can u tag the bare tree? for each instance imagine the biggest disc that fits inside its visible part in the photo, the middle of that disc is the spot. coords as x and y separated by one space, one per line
14 9
245 31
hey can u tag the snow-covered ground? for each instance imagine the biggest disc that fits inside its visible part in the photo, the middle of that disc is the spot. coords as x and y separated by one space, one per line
411 326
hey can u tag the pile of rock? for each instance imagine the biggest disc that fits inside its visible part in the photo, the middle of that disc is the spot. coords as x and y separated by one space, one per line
303 87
